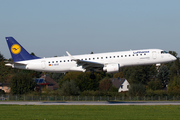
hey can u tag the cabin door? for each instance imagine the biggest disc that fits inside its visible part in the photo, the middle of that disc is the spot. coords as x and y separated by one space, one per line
154 55
43 64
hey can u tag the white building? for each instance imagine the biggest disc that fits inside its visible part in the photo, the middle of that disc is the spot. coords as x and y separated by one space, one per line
121 83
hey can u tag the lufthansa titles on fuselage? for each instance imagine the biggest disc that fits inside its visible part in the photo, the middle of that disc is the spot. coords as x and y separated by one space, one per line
140 52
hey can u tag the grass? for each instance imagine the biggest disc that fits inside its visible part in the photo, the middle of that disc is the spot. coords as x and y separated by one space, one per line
77 112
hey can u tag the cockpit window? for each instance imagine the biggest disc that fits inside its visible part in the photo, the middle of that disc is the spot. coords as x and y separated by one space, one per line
163 52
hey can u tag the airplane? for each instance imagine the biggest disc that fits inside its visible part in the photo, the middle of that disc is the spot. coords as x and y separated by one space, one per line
110 62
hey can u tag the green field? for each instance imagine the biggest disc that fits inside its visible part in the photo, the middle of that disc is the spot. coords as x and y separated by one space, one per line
38 112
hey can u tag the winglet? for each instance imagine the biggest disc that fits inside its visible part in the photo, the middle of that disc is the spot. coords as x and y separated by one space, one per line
72 58
68 54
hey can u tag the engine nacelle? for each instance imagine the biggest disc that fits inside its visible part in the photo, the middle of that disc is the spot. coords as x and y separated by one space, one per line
111 68
157 65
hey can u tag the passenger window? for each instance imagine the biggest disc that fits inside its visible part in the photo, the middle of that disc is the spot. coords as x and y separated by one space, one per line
85 58
56 61
97 57
129 55
49 62
125 55
89 58
117 56
110 57
106 57
114 56
64 60
141 54
93 58
136 54
101 57
121 55
52 61
60 61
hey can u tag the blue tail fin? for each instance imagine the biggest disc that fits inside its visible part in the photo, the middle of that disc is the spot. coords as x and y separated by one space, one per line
18 53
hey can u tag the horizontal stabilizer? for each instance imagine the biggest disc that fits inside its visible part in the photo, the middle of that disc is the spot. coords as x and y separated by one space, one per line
9 64
16 65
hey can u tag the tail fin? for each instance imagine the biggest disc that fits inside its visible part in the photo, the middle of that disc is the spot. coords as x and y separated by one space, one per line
18 53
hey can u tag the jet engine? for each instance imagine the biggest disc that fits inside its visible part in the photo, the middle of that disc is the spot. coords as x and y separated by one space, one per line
111 68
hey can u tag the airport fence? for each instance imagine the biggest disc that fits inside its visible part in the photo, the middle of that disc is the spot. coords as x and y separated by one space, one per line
86 98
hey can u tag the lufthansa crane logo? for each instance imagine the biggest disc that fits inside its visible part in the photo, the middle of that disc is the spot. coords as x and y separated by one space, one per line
15 49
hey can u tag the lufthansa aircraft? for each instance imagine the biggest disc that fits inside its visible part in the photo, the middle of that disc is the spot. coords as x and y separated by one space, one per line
110 62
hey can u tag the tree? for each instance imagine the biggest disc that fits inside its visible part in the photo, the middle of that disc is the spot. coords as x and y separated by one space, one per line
1 57
113 89
171 63
163 75
69 88
5 72
105 84
175 68
127 72
33 54
83 80
137 90
3 69
173 53
2 92
118 75
142 74
22 83
154 84
57 76
174 86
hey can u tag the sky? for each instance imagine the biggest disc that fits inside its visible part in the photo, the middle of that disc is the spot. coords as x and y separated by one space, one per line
51 27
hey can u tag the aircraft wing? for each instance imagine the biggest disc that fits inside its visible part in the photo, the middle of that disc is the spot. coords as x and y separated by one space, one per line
88 65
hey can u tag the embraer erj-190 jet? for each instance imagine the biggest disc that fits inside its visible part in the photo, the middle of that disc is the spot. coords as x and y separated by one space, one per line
110 62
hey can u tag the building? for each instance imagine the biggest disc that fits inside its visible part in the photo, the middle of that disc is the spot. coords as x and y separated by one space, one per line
5 87
47 82
121 83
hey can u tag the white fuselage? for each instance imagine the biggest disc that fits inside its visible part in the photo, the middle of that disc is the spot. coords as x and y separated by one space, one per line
125 58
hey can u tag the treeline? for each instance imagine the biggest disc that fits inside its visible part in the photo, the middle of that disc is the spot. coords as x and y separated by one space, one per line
146 80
